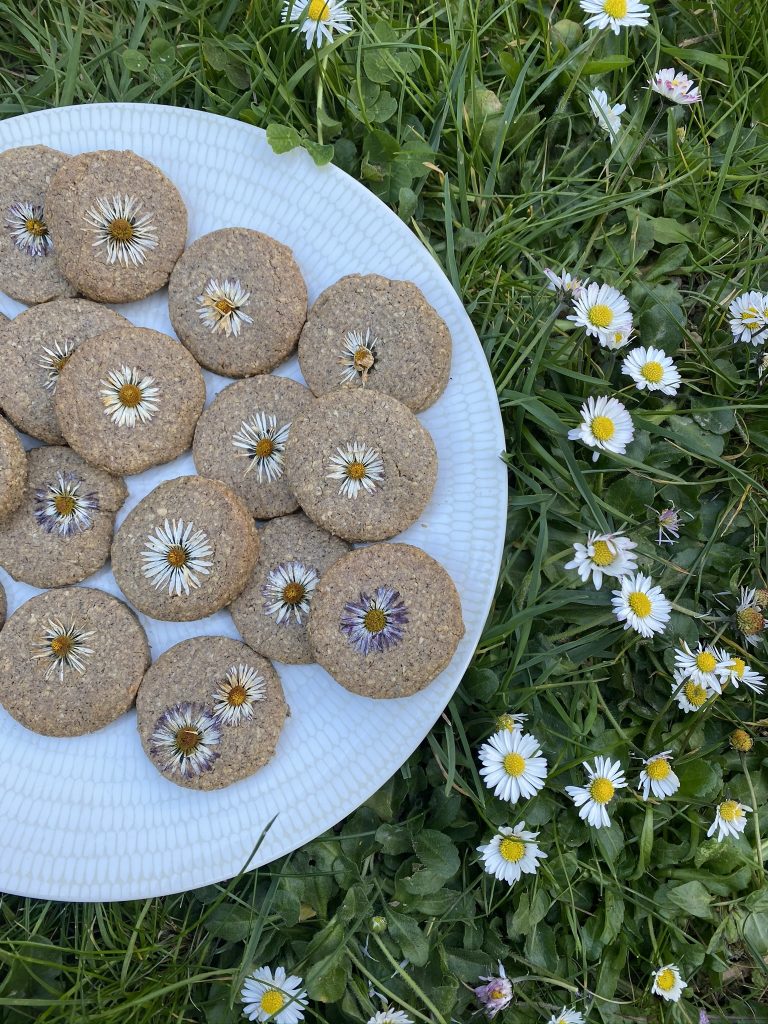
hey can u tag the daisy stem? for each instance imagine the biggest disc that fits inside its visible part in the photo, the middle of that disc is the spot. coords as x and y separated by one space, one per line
756 819
409 981
321 96
387 992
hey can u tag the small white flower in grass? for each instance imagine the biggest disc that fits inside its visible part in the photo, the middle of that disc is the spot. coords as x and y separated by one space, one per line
652 369
234 698
604 554
63 647
567 1016
749 616
512 765
669 521
676 86
390 1016
615 339
601 307
657 777
668 983
128 396
261 440
117 225
54 361
317 19
496 994
615 14
603 779
174 555
704 665
358 356
605 425
512 853
289 589
748 318
730 820
278 998
564 285
735 670
220 307
608 117
641 606
690 695
359 467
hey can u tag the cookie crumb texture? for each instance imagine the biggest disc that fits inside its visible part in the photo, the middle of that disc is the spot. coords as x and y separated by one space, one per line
28 261
34 347
118 225
240 413
13 470
127 423
190 674
400 451
410 344
293 555
151 561
224 331
423 624
39 683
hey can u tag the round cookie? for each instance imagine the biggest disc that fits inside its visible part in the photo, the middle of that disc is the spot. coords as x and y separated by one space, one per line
118 225
386 619
62 531
370 331
71 661
129 399
237 300
210 712
240 439
29 268
13 470
271 613
33 349
185 550
361 465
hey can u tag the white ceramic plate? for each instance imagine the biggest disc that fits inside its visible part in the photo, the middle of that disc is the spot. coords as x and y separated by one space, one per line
90 818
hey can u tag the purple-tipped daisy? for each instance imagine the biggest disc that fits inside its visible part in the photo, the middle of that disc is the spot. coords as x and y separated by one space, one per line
184 739
61 508
28 229
375 623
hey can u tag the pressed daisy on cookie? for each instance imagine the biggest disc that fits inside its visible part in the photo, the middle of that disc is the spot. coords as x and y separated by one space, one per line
605 425
668 983
512 765
601 307
674 85
640 605
603 779
511 853
730 820
604 554
657 778
652 369
607 115
615 14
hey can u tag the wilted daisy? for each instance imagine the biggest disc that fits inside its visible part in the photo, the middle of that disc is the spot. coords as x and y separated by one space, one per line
262 441
652 369
567 1016
184 740
566 287
615 339
61 508
375 623
608 117
174 554
511 722
735 670
667 983
657 777
318 19
289 589
220 307
640 605
63 648
54 361
604 554
605 425
749 616
234 698
603 779
126 236
511 853
676 86
615 14
690 695
740 740
730 820
28 229
358 356
128 396
278 998
749 318
600 307
704 665
669 521
390 1016
359 467
496 994
512 765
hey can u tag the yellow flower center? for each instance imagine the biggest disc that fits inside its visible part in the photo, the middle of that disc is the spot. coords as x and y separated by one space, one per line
658 769
601 316
506 721
705 662
497 992
640 604
355 470
293 593
601 790
272 1001
121 229
694 693
751 621
264 448
741 740
603 428
665 980
750 318
237 695
318 10
64 504
514 765
653 372
602 554
512 850
61 362
129 396
35 227
375 620
363 359
730 810
177 556
737 666
62 645
187 739
224 306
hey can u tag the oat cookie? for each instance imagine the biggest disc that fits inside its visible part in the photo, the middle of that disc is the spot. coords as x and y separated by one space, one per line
13 470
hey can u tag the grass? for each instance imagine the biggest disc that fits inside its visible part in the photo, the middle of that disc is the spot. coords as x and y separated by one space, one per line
471 119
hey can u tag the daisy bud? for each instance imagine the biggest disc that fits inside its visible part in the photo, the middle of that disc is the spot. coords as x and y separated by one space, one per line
741 740
761 596
378 925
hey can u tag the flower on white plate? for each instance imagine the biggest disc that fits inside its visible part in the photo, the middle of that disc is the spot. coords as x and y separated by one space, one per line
676 86
54 361
289 589
278 998
652 369
615 14
640 605
668 983
359 467
221 305
234 698
61 508
603 779
657 777
749 616
564 285
749 318
126 236
704 665
604 554
174 556
608 117
511 853
261 440
390 1016
601 307
317 19
358 356
735 670
184 740
512 765
689 694
730 820
63 648
128 396
567 1016
615 339
496 994
605 425
29 232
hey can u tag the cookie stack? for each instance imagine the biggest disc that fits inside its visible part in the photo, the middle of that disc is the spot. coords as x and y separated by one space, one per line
290 477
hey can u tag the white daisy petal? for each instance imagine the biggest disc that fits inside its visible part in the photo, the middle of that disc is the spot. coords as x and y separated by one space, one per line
62 648
358 356
733 669
175 557
706 665
234 699
221 305
690 694
566 1016
608 117
289 589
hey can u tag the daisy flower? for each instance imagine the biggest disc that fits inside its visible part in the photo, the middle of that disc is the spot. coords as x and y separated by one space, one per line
390 1016
640 605
601 308
263 442
667 983
704 665
512 722
496 994
511 853
730 820
735 670
289 589
653 369
605 425
359 467
749 318
220 307
604 554
278 998
54 361
28 229
234 698
566 1016
564 285
741 740
615 339
615 14
674 85
358 356
317 19
184 740
749 616
61 508
608 117
690 695
126 236
63 648
174 556
128 396
669 522
602 782
512 765
375 623
657 777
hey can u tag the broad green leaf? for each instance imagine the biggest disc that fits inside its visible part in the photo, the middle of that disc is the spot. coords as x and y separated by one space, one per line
409 937
134 60
282 137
